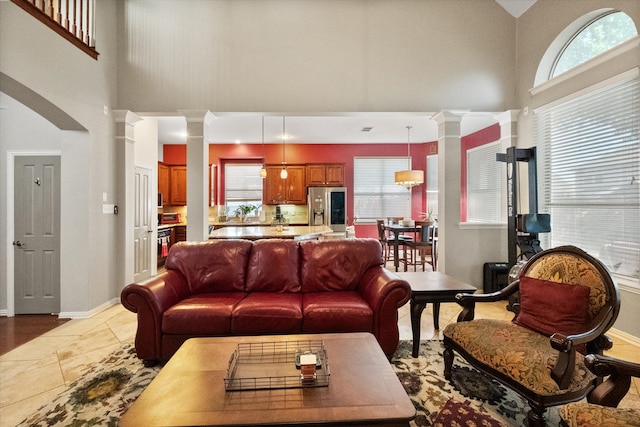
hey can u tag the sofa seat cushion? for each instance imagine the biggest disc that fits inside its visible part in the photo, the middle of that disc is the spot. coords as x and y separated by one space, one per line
203 314
516 352
268 313
344 311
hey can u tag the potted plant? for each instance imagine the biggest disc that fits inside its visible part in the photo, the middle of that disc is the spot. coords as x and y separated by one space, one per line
428 215
243 210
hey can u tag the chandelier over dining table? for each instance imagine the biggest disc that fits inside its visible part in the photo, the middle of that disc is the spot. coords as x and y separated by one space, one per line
409 178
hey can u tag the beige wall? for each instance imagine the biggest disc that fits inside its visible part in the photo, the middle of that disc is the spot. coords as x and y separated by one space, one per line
536 31
69 83
270 55
316 55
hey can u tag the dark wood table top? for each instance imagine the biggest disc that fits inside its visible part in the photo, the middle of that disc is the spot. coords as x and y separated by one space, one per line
434 281
190 389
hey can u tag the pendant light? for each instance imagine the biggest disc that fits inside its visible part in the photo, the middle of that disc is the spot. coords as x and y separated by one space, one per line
409 178
283 172
263 171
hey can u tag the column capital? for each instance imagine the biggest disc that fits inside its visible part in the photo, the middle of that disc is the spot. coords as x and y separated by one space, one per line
448 116
508 116
194 115
126 116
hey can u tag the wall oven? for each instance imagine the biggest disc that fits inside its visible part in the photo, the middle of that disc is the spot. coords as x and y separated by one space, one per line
164 243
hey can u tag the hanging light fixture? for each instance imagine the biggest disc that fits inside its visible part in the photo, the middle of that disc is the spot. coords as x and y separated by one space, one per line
409 178
263 171
283 172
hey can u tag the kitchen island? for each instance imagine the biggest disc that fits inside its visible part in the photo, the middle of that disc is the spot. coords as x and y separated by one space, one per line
297 232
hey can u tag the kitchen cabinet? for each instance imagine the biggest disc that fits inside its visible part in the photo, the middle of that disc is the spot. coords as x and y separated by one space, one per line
172 184
163 182
291 190
178 183
179 234
325 174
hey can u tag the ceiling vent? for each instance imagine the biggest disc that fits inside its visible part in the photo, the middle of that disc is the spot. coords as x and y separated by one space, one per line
367 129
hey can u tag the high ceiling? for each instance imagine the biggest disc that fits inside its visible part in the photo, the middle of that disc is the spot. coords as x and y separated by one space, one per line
352 128
342 128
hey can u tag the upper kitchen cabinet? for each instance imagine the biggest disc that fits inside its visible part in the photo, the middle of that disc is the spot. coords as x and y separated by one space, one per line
291 190
325 174
172 184
163 182
178 185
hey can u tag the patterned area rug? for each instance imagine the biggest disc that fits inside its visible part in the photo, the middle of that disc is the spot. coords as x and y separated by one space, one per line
470 399
100 396
103 393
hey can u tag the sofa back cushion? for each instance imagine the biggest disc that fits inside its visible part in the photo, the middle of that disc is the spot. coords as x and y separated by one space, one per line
337 265
273 266
214 266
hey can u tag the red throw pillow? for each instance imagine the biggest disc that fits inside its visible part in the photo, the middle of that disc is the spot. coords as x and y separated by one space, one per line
550 307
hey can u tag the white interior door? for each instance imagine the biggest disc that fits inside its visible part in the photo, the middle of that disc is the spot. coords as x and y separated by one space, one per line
142 230
37 234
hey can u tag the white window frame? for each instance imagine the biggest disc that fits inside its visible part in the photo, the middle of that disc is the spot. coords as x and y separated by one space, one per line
600 225
484 185
242 185
431 184
375 193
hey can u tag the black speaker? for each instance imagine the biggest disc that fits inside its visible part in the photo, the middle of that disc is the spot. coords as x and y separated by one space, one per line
495 276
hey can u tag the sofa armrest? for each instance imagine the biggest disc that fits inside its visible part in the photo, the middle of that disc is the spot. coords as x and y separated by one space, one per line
385 292
150 299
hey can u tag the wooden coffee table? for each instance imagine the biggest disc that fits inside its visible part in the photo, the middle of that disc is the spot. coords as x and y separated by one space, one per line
430 287
190 390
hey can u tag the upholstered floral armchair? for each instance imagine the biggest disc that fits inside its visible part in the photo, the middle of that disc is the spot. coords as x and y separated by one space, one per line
601 408
567 301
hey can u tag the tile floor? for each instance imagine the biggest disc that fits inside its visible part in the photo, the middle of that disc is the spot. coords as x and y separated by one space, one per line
34 373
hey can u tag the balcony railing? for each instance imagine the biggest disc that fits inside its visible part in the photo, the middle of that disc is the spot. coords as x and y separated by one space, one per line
72 19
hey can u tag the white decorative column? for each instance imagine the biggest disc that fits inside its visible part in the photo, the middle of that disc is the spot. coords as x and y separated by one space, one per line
449 180
197 177
125 138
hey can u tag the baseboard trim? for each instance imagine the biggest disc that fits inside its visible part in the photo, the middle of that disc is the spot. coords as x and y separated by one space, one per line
90 313
3 312
624 336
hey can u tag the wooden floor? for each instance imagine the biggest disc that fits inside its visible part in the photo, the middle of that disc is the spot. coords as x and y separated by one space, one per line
20 329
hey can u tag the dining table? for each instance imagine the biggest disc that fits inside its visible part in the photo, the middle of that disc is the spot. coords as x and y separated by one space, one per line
398 230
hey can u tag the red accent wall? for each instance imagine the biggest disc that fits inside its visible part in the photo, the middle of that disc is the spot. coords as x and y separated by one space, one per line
220 154
484 136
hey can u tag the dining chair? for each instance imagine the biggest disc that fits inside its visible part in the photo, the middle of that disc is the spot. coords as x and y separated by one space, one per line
385 241
421 249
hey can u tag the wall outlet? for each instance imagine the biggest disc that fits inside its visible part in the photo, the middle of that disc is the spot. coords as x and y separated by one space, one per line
107 209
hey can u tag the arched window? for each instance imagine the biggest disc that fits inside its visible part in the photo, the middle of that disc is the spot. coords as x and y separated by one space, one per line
596 37
589 141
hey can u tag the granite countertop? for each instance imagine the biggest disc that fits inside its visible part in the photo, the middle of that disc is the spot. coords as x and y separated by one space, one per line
300 232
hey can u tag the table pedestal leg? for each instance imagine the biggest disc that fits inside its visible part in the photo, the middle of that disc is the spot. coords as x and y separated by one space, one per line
436 315
416 313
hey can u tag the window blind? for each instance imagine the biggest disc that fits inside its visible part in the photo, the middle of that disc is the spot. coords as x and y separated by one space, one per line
432 184
375 193
591 172
484 184
243 185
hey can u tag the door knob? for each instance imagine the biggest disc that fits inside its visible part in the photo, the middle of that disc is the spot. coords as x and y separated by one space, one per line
18 243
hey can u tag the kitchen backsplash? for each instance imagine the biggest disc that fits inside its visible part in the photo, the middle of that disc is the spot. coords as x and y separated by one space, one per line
295 214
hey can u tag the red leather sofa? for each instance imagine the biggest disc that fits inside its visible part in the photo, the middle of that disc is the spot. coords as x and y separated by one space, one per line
241 287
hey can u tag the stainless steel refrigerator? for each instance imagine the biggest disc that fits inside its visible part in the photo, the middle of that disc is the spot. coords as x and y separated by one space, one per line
328 206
